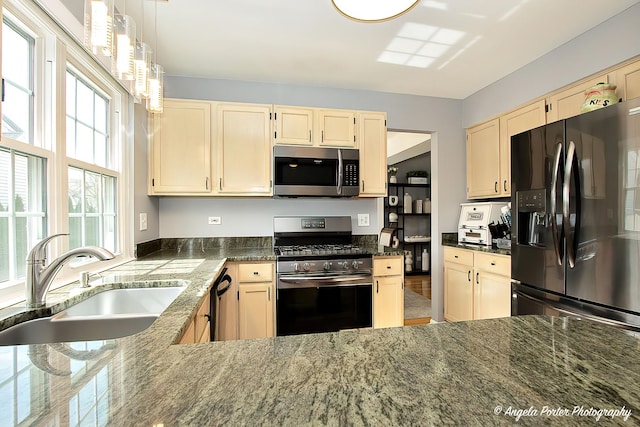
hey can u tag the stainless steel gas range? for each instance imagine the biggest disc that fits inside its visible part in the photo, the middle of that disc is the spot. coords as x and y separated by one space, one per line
323 281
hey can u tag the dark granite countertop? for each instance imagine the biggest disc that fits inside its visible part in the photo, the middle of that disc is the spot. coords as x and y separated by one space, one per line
451 239
485 372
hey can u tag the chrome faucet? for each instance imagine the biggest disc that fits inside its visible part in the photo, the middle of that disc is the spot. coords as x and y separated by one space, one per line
40 276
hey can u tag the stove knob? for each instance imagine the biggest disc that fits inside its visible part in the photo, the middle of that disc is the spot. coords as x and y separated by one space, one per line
326 266
354 265
345 265
295 266
306 266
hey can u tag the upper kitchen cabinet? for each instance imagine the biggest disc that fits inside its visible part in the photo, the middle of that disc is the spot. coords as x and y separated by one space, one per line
627 80
293 125
181 149
337 128
513 123
483 160
372 137
243 149
568 102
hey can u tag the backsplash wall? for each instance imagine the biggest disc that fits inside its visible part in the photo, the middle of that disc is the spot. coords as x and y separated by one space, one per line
252 217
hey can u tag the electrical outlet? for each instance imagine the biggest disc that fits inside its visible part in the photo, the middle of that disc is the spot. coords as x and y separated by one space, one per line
363 220
215 220
143 221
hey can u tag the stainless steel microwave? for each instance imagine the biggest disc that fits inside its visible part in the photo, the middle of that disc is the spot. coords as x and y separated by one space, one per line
315 171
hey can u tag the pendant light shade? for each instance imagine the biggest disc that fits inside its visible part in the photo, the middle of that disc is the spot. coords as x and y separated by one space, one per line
98 26
373 10
124 43
142 66
155 100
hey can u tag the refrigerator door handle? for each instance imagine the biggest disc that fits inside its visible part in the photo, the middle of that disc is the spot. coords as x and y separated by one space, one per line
566 194
554 203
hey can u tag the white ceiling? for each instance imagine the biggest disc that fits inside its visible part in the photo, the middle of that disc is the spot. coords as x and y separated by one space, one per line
307 42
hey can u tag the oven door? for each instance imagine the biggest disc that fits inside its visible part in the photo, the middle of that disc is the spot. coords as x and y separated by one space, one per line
308 304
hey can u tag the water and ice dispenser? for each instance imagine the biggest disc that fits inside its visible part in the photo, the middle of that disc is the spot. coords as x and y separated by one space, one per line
532 217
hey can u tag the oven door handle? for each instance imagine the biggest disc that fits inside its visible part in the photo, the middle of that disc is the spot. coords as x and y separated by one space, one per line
311 282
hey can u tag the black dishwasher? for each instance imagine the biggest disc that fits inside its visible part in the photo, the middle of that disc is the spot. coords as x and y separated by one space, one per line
220 286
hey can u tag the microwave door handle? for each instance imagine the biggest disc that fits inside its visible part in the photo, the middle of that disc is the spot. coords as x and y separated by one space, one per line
553 197
340 177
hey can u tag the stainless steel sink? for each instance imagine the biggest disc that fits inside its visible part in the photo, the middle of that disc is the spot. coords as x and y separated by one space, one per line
124 302
110 314
50 329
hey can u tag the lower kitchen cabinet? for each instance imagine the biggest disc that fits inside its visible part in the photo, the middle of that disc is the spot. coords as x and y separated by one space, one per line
477 285
199 329
256 300
388 291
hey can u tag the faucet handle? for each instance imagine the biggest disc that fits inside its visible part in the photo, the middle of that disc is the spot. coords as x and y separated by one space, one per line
38 252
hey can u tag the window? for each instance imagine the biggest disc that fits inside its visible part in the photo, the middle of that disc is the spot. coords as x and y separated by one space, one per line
22 210
92 209
17 72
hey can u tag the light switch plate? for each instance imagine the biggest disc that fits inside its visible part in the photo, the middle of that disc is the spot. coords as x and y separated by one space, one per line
363 220
143 221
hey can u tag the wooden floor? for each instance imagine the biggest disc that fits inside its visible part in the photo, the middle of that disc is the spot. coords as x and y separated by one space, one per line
420 285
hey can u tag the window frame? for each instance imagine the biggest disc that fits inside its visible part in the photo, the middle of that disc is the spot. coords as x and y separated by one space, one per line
55 49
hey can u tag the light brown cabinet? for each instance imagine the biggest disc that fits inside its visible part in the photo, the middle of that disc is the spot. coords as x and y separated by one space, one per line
477 285
198 330
568 102
627 80
525 118
227 315
337 128
483 160
293 125
256 300
372 139
243 149
388 291
180 158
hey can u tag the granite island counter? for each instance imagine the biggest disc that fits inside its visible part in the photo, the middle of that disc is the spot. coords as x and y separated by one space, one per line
444 374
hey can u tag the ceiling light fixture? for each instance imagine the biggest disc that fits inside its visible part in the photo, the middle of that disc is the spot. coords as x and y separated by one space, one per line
155 100
142 63
98 26
373 10
125 38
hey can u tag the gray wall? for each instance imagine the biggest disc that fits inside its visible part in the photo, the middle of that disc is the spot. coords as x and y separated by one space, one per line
142 202
610 43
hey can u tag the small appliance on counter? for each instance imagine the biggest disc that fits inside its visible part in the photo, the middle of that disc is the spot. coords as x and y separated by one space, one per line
475 218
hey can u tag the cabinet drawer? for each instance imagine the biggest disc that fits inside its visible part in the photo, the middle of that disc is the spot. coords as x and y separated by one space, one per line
255 272
496 264
392 266
459 256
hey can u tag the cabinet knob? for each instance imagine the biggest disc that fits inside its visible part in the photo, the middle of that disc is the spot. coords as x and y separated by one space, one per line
493 263
255 273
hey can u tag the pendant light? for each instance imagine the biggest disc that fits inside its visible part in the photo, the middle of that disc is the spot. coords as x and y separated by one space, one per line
124 43
155 100
373 10
142 63
98 26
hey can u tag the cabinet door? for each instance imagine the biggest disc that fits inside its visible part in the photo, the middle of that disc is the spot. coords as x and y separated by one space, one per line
256 310
568 103
201 320
492 296
372 137
628 81
181 148
518 121
388 302
243 149
189 335
294 125
458 292
337 128
483 160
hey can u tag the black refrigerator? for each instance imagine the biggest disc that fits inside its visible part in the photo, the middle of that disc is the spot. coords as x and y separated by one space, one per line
575 200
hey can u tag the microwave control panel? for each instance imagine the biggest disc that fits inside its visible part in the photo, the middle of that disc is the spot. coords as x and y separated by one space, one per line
351 174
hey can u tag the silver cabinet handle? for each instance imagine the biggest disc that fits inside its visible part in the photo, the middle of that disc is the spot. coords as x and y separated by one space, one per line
478 278
495 186
309 135
505 185
377 287
206 183
221 183
469 276
553 196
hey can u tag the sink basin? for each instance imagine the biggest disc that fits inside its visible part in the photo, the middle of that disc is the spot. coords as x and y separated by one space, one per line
50 329
124 302
109 314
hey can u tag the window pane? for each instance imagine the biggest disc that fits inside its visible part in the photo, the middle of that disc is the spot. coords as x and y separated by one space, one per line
85 104
92 193
5 170
4 250
101 114
84 143
71 138
92 231
17 63
110 233
100 149
71 95
75 232
109 200
75 190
